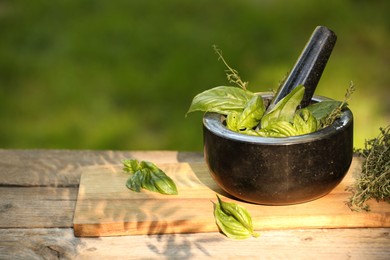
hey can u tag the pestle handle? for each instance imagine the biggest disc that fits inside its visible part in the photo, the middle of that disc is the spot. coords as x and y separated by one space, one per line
308 69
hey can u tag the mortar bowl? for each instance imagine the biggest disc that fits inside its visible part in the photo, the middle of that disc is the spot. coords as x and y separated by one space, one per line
278 171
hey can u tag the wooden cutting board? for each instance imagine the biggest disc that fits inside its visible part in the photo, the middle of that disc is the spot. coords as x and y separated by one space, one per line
106 207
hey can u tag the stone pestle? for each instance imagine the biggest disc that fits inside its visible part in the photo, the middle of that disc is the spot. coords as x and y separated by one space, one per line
308 69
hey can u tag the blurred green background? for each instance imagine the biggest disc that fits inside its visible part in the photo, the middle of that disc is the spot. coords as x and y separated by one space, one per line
78 74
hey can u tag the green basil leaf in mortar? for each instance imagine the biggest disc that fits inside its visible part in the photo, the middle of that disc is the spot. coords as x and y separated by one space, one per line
278 129
232 121
304 122
323 109
233 220
221 100
250 132
285 109
148 176
266 133
252 114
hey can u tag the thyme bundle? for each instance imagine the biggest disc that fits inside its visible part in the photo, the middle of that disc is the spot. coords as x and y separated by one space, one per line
374 181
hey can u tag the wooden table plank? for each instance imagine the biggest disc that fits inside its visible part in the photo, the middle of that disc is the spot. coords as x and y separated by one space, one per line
37 207
288 244
62 167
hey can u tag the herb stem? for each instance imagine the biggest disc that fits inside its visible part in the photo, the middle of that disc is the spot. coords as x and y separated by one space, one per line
231 74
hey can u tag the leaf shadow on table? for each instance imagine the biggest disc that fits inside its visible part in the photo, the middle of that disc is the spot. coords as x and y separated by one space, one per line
180 246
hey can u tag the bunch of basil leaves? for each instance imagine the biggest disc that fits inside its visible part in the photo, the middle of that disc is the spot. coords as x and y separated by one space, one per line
245 111
147 175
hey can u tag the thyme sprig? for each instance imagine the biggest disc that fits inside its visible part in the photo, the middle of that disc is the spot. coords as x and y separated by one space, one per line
374 181
231 74
336 113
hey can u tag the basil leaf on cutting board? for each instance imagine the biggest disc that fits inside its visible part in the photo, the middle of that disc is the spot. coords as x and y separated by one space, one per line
148 176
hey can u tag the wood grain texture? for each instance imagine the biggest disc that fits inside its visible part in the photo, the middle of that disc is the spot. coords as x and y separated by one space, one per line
62 167
38 188
105 207
37 207
310 244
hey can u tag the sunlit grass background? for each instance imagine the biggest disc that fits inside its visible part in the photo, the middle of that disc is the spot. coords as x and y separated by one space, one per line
121 74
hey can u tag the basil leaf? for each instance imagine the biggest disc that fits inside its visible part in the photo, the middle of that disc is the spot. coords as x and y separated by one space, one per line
163 183
285 109
233 220
266 133
232 121
250 132
131 166
221 100
251 116
305 122
278 129
322 109
134 182
148 176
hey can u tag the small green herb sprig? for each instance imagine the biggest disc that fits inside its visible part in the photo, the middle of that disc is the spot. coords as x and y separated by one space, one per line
148 176
337 110
231 74
374 180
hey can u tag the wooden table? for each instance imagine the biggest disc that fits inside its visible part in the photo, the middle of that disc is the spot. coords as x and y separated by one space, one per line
38 191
